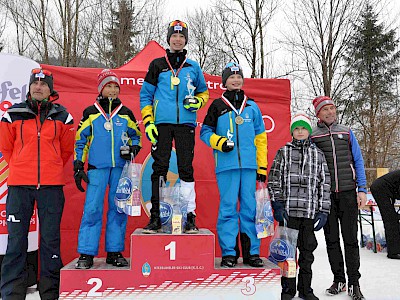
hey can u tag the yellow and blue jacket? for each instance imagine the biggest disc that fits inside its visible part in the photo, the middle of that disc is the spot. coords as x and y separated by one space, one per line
250 138
161 101
99 146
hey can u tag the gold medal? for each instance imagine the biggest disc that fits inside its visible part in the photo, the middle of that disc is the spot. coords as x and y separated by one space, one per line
108 126
239 120
175 80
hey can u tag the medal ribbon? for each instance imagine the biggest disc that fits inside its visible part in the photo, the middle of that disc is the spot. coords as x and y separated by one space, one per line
170 66
103 113
231 105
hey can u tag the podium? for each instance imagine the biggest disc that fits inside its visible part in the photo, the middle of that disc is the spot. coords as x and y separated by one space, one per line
166 266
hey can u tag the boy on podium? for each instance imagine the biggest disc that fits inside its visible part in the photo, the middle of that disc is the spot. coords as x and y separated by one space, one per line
234 128
173 91
101 133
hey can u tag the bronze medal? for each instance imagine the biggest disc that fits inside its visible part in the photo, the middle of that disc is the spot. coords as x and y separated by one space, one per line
108 126
239 120
175 80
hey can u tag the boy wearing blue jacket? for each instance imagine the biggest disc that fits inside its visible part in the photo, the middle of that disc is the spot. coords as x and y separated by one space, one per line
174 89
234 128
100 140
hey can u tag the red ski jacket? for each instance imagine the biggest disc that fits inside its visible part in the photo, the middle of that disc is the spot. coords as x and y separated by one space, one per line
36 144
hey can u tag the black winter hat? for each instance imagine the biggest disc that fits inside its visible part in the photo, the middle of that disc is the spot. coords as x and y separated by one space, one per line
178 27
230 69
39 74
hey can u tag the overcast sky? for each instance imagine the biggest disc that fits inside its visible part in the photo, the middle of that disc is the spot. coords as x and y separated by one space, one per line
176 9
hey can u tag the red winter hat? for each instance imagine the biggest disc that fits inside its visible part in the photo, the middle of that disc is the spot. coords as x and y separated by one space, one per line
106 76
320 102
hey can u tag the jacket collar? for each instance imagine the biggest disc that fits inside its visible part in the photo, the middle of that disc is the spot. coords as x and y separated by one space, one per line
297 143
322 124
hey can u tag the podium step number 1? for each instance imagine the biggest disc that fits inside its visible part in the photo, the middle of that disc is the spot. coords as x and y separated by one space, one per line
165 266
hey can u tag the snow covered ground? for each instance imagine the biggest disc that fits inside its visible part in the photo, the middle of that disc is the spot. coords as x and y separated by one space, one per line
380 276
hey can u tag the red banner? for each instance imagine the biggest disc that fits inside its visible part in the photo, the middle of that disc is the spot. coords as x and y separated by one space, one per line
78 89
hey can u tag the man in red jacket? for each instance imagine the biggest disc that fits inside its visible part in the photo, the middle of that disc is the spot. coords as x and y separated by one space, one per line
36 139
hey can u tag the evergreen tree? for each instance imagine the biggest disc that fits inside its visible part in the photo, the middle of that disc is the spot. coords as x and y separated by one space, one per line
373 60
120 34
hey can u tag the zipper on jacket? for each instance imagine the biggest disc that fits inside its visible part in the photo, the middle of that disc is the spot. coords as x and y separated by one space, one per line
237 138
54 137
39 128
177 104
238 148
22 137
112 134
334 160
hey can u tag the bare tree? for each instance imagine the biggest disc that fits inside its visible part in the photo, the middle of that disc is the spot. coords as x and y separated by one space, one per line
242 24
3 21
150 23
70 32
205 41
29 18
319 35
146 21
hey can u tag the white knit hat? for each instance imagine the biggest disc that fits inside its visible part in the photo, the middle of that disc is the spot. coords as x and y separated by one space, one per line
300 119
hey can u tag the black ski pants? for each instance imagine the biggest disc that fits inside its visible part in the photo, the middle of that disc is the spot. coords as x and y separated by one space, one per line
344 212
19 208
385 192
306 243
184 138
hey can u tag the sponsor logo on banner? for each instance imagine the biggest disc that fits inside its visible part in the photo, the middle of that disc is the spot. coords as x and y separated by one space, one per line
14 79
146 269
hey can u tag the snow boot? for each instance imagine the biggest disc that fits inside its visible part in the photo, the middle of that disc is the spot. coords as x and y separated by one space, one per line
154 225
84 262
254 261
286 296
116 259
190 226
309 296
355 292
336 288
228 261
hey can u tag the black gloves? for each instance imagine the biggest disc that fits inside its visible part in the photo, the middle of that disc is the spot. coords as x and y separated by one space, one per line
227 146
279 211
320 220
126 151
261 177
80 174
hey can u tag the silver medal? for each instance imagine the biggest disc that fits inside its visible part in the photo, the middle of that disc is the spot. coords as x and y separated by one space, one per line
108 126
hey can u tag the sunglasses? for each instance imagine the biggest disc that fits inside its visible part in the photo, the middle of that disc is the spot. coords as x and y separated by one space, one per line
178 23
40 73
